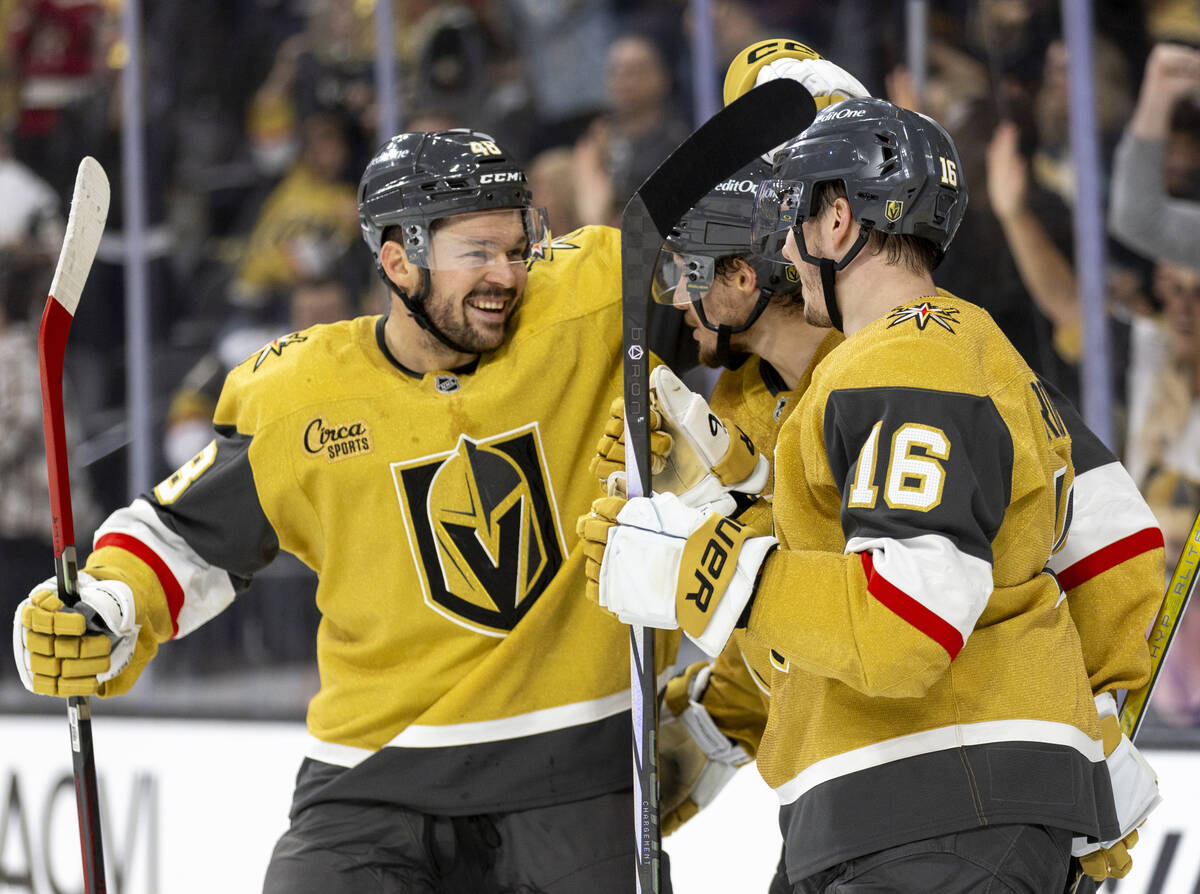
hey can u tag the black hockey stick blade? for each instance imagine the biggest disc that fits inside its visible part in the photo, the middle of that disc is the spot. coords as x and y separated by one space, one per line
757 122
751 125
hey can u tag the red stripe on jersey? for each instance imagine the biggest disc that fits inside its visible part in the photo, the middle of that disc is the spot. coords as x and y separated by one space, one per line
930 623
166 579
1110 556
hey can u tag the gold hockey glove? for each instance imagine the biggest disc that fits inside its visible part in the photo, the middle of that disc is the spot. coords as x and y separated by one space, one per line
1135 791
696 760
766 60
610 449
65 651
593 528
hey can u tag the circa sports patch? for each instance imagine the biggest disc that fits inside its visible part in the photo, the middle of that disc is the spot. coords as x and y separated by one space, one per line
337 440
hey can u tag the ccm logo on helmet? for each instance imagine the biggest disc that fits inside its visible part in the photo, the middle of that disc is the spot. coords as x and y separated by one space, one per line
835 113
501 177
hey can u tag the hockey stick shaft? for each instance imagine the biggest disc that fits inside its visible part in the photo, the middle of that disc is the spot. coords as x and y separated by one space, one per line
762 119
1166 625
89 208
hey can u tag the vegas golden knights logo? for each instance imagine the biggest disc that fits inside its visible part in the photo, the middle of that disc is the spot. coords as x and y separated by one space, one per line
483 527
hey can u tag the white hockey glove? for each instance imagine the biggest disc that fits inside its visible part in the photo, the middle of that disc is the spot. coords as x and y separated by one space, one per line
70 651
667 565
828 83
696 760
767 60
692 452
1135 791
781 57
706 460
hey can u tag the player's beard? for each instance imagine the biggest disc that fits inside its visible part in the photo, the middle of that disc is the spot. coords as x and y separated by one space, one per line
450 316
812 292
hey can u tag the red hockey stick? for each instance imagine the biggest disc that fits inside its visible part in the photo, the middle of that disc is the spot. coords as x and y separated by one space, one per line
85 224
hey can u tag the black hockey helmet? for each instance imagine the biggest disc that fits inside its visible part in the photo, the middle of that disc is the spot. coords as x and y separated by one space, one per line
716 227
900 168
418 178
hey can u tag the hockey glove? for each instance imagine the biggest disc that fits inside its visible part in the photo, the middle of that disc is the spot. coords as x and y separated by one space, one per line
667 565
705 462
610 449
1135 791
71 651
766 60
695 759
694 455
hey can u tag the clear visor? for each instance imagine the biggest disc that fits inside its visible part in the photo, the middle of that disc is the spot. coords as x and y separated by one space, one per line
480 239
681 278
778 206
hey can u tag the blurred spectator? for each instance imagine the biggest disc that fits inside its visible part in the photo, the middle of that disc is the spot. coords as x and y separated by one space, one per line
563 48
29 216
1143 214
25 534
322 299
1164 454
327 66
1051 156
308 222
1173 20
552 182
623 148
93 125
53 47
1045 271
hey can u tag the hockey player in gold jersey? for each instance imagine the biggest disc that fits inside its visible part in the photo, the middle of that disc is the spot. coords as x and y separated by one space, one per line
932 723
472 730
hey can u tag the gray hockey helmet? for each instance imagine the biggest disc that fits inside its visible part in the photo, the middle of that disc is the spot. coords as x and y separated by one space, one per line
900 168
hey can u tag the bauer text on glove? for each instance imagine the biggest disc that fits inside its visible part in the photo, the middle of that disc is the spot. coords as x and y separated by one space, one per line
667 565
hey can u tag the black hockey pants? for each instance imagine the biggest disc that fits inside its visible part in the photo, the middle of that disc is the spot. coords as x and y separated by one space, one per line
1011 859
584 847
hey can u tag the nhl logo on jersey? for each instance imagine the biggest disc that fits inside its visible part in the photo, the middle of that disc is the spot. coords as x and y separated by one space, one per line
445 384
486 536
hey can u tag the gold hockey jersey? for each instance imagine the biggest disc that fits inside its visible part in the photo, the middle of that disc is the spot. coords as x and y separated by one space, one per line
754 397
462 670
926 675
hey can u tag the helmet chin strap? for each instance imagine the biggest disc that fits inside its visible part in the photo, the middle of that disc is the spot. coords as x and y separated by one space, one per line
415 305
725 331
829 268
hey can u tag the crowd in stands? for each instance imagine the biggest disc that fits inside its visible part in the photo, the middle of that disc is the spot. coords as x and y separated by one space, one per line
259 115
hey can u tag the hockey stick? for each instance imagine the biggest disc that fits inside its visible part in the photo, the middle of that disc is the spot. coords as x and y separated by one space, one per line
1166 624
762 119
85 224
